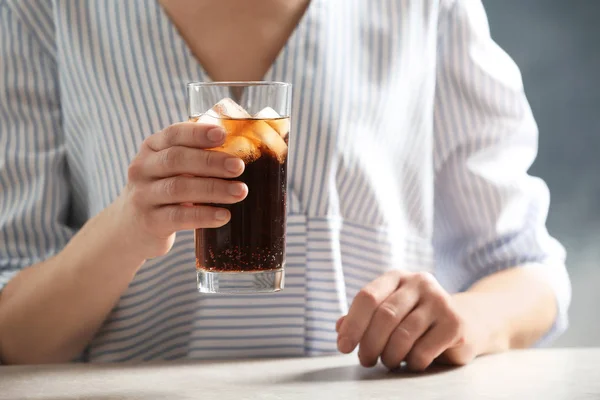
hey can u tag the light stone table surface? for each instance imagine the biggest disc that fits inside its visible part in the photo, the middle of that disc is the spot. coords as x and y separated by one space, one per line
568 374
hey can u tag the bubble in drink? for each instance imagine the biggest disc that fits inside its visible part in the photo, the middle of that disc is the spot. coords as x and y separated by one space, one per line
254 238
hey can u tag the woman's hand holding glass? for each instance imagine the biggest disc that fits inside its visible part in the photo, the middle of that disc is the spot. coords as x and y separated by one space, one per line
173 181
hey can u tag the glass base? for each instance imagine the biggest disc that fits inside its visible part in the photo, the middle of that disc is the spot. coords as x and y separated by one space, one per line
241 282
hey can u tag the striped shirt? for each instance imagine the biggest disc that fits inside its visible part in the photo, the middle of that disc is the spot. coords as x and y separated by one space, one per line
411 140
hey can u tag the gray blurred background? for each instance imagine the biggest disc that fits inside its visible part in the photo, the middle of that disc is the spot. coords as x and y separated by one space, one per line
556 43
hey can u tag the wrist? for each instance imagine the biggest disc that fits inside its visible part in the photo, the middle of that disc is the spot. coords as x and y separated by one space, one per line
486 330
124 232
106 239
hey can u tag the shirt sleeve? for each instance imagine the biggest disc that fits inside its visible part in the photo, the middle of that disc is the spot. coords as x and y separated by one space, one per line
489 213
34 190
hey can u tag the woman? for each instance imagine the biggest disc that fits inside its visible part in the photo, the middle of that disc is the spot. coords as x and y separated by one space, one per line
410 209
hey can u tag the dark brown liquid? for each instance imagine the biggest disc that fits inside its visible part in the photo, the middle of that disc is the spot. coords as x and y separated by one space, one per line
254 238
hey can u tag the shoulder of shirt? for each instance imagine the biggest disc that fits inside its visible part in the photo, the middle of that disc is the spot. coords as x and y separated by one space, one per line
37 18
447 3
452 3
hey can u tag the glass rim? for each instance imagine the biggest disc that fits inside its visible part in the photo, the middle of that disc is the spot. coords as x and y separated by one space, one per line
238 84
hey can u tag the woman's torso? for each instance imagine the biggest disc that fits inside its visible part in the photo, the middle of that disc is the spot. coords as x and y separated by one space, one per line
360 174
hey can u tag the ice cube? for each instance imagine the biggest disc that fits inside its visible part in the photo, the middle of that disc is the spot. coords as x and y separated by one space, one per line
242 147
269 139
230 109
210 117
267 113
222 114
271 117
233 116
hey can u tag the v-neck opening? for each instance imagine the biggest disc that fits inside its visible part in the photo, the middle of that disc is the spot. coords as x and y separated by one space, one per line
269 75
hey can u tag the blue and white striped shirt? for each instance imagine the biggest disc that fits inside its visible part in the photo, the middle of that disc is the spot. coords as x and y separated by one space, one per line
410 143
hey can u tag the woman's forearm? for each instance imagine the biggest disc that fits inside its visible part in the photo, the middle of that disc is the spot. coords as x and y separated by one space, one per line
510 309
50 311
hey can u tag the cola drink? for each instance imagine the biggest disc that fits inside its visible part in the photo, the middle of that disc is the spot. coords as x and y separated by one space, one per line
254 238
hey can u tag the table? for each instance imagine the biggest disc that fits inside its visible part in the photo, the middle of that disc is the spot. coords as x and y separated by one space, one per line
531 374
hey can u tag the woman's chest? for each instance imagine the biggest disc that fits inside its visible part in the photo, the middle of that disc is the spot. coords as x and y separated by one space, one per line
235 40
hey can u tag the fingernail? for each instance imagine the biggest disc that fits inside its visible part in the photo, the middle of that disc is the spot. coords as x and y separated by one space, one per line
345 345
236 189
222 215
215 134
234 164
365 362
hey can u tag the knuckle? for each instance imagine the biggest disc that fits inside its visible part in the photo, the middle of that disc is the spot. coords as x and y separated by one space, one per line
396 274
210 158
147 140
173 187
441 299
198 133
138 198
462 340
135 170
402 334
171 157
367 297
387 313
174 215
454 324
210 186
171 134
424 278
416 321
201 214
426 281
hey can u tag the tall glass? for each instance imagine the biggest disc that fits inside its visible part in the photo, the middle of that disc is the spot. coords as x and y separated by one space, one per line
247 255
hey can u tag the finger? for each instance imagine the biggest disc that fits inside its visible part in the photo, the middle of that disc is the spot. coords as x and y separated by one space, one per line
179 218
184 189
459 354
179 160
363 306
405 335
339 323
386 318
187 134
434 342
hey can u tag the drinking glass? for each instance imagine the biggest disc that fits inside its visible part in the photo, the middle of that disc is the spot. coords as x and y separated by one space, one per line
247 255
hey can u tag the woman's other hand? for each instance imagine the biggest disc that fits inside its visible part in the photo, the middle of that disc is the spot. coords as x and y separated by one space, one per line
404 316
